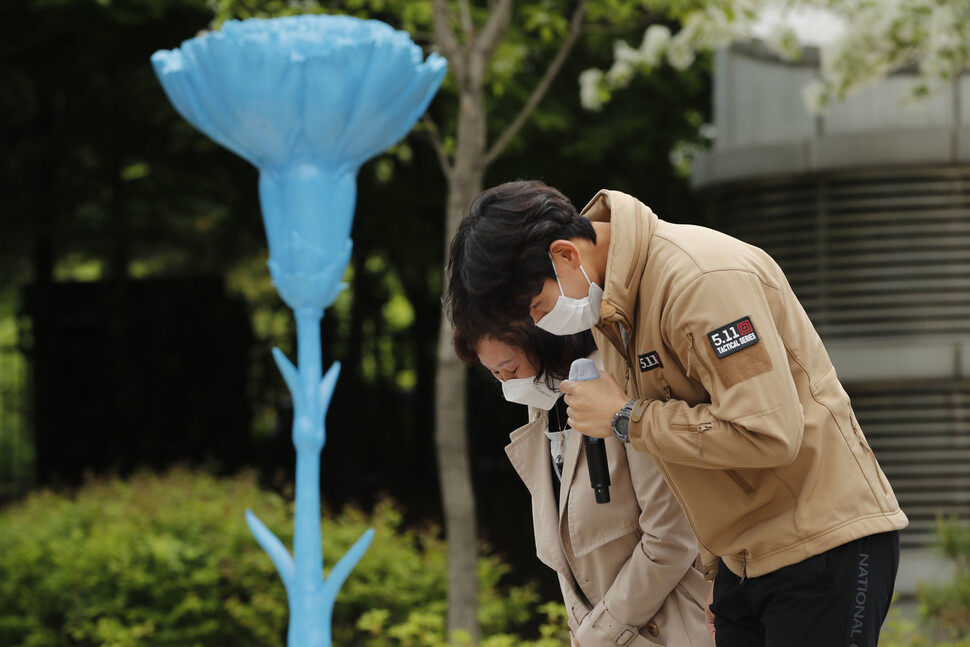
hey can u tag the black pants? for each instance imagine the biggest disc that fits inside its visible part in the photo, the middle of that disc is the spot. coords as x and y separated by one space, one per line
837 599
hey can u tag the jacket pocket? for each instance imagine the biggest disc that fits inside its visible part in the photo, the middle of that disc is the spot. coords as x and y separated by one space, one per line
698 428
868 450
740 480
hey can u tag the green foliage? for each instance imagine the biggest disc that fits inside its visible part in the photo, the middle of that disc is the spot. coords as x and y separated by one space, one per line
168 560
944 609
16 447
947 606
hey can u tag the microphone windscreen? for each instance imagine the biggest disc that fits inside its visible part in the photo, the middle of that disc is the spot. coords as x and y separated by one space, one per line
583 369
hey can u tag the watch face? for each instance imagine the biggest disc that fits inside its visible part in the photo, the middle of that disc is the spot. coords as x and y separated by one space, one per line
621 425
621 422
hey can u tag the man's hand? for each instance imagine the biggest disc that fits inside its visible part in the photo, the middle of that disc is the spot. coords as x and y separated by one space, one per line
591 404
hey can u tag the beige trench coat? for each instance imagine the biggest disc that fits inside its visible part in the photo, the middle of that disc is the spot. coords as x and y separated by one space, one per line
627 568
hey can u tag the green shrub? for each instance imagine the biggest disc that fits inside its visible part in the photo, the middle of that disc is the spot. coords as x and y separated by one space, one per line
944 609
167 560
947 606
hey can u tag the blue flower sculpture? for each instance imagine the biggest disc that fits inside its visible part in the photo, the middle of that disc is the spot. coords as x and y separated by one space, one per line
306 100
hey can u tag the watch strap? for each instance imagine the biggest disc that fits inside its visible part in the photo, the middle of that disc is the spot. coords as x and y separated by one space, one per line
623 413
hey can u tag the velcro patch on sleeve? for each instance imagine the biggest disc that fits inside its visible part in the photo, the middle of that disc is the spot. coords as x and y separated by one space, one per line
727 340
732 337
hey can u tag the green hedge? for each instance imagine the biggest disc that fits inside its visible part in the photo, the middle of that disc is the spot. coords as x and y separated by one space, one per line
943 616
167 560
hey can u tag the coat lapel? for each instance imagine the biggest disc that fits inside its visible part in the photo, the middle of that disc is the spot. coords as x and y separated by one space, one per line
570 460
528 452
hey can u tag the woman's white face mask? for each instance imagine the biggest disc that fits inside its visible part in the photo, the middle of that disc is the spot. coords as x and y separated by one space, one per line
525 390
570 316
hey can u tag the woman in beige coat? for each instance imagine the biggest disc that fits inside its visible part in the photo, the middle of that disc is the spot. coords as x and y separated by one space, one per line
627 568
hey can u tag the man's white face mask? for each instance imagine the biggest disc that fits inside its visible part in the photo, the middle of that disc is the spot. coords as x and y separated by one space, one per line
525 390
570 316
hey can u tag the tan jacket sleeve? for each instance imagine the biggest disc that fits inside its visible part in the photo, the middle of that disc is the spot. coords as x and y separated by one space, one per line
666 551
754 418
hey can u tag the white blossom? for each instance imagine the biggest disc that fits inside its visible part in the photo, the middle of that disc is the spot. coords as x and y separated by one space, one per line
655 41
625 61
624 53
680 53
783 40
813 94
590 94
620 75
863 40
946 47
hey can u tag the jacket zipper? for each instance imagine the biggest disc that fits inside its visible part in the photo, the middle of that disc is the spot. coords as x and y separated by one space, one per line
867 449
628 357
699 429
744 565
610 331
690 351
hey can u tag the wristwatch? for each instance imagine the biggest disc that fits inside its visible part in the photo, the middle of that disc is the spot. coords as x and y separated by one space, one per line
621 422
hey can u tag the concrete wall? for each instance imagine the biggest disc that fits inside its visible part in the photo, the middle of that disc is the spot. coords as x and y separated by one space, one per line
764 128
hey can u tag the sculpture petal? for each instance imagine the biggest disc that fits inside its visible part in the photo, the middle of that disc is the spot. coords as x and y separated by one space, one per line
334 88
190 97
364 99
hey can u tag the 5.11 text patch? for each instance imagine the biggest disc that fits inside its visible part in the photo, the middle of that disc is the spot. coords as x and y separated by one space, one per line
733 337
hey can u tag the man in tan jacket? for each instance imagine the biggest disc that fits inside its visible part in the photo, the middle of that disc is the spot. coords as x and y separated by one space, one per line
715 371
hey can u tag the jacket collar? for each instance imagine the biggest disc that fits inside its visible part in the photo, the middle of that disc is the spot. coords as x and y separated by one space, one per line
632 224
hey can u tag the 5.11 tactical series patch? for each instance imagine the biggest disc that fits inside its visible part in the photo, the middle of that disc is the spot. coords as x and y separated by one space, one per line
733 337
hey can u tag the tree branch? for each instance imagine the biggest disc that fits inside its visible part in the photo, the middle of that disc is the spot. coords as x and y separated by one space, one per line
494 29
446 39
575 29
438 145
465 12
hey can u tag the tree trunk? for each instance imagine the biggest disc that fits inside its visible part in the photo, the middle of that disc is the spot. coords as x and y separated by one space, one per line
469 58
454 470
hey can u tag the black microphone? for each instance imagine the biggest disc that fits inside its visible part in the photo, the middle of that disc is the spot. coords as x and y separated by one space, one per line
581 370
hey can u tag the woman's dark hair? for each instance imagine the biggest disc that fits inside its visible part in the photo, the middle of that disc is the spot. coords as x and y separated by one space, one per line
499 257
550 354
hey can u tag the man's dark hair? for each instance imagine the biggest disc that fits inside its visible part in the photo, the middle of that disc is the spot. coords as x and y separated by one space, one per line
499 257
551 354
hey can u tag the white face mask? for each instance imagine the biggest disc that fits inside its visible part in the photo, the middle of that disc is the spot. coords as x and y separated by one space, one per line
570 316
525 390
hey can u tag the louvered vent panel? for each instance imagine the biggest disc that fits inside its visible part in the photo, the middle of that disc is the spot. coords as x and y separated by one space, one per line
921 435
869 254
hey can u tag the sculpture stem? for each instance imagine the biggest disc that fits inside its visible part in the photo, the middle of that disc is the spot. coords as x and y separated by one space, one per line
308 439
